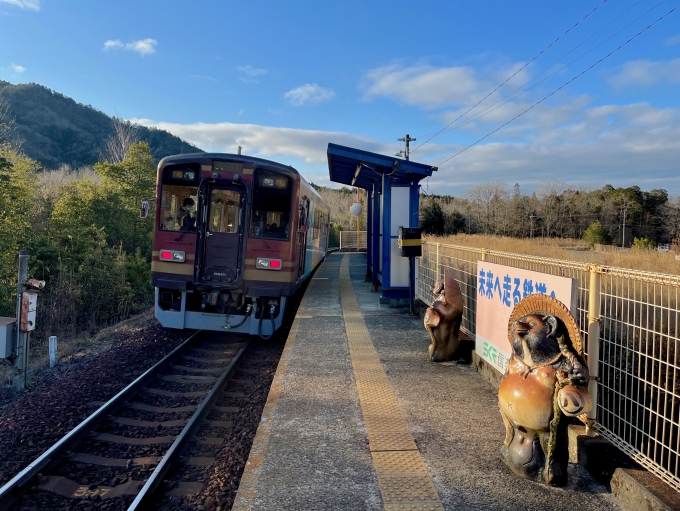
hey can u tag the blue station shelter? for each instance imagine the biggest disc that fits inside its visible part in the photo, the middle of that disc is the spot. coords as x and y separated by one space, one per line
392 188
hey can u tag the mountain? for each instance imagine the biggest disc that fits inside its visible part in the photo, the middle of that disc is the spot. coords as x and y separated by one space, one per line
57 130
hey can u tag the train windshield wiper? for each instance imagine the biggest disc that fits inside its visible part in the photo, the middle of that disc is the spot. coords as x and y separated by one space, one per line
183 231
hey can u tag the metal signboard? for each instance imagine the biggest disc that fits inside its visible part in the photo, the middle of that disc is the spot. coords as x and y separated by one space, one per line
499 289
29 303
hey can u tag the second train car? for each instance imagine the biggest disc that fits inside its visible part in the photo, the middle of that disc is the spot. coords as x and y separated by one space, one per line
235 237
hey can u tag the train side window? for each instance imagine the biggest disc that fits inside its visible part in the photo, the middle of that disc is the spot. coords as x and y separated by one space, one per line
272 199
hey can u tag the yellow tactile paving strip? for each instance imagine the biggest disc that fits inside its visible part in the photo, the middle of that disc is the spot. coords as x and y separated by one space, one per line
402 476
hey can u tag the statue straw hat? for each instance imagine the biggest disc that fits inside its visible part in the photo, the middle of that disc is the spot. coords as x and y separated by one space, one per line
547 305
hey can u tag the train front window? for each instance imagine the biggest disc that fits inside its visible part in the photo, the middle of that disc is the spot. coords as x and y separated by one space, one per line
179 197
224 210
271 215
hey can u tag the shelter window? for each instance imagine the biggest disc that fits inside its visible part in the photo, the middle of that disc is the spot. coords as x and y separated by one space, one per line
179 197
272 199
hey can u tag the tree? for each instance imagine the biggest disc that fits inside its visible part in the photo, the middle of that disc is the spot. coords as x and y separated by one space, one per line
124 136
126 184
596 233
550 195
7 121
432 218
17 181
488 198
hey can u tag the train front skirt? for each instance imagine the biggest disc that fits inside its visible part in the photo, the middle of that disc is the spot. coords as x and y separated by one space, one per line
217 322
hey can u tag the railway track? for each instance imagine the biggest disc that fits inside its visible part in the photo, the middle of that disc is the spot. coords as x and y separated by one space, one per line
119 456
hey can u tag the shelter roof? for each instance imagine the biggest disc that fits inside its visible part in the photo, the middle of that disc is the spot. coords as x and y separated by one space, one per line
359 168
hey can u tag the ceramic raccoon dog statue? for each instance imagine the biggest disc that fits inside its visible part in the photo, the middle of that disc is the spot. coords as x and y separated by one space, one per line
546 379
443 319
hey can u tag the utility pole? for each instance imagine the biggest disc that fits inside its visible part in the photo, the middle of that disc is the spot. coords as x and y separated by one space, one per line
623 230
406 141
532 226
21 360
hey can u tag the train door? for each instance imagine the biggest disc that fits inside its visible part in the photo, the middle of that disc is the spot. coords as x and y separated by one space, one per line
222 247
302 235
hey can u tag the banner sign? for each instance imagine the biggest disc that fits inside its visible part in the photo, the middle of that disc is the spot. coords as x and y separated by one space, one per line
499 289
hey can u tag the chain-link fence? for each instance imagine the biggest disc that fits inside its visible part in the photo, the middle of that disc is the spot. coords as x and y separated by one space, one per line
636 317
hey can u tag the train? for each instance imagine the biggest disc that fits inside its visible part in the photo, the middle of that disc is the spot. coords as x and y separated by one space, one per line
234 238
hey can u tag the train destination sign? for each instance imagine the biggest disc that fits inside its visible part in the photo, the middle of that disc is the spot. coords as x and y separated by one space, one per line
499 289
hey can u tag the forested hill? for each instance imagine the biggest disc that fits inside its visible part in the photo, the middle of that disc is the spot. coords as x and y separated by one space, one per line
57 130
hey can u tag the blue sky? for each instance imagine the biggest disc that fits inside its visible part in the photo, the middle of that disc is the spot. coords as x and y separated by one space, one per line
282 79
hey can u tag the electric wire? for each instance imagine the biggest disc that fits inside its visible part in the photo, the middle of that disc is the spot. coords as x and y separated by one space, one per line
515 73
562 86
510 96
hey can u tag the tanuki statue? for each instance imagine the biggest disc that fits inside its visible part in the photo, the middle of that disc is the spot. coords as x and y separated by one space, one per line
545 382
443 319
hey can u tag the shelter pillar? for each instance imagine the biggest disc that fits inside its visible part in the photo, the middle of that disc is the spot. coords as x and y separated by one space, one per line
369 225
375 240
385 224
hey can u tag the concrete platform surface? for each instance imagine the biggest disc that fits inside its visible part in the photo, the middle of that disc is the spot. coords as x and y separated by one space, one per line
311 451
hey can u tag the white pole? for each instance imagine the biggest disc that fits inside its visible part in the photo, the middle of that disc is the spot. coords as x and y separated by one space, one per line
53 350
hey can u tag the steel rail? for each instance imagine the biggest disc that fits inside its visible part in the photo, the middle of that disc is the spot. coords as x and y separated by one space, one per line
153 481
58 449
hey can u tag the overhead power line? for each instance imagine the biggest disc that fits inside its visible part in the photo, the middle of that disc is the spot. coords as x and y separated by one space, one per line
515 73
506 99
562 86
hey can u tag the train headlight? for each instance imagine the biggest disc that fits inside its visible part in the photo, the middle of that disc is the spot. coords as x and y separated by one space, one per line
173 256
266 263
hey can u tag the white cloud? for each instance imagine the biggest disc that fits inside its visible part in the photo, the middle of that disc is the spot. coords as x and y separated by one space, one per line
251 71
673 40
646 73
424 86
143 46
17 68
309 94
624 145
32 5
113 44
265 141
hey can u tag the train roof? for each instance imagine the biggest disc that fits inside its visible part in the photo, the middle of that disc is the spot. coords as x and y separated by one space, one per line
239 158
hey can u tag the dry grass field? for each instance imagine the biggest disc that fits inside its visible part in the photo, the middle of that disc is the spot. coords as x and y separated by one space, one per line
573 250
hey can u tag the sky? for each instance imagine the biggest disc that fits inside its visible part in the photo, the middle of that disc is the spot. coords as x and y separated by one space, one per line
283 79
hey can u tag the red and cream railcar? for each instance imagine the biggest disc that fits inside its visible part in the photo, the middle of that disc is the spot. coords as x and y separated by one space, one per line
235 237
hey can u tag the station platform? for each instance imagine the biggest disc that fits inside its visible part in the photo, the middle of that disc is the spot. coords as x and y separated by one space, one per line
358 418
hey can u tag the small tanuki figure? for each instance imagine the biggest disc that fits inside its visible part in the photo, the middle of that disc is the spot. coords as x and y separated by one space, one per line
546 380
443 319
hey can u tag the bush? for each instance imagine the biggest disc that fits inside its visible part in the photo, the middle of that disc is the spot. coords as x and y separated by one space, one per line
334 236
596 233
644 244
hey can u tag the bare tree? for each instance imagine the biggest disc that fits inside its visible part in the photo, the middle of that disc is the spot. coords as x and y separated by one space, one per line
7 121
488 197
7 127
551 203
125 134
